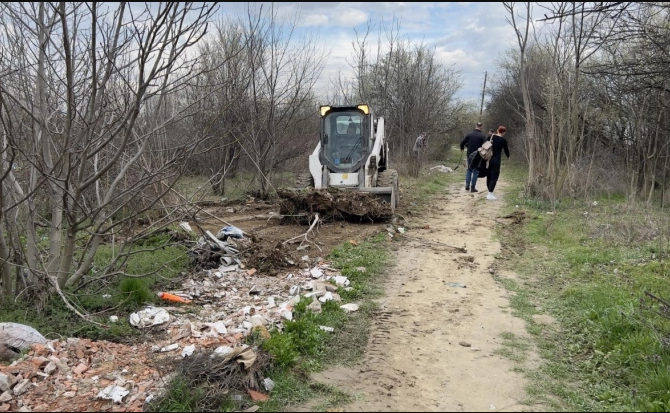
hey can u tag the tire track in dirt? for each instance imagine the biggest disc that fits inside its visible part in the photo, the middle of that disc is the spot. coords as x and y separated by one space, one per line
432 345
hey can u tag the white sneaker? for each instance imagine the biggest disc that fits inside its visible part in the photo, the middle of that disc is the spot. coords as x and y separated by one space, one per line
490 197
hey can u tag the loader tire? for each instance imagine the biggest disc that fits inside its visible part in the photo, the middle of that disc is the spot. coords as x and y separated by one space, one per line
389 177
304 180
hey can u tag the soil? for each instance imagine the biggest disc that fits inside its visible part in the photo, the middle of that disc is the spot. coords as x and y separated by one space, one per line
268 253
433 345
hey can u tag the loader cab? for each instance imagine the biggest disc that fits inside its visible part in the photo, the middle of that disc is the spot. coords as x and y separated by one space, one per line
346 138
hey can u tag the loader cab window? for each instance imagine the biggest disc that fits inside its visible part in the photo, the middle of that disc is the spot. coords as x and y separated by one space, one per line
346 133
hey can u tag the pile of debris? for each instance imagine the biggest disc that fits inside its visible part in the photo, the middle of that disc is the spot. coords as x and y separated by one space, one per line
79 375
333 204
234 302
212 251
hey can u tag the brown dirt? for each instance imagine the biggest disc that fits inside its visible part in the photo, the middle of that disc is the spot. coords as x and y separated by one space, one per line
433 346
268 253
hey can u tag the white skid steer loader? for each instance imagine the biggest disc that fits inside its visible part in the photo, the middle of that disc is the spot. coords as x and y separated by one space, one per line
352 154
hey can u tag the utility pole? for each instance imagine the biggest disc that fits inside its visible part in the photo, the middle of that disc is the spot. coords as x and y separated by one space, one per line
481 108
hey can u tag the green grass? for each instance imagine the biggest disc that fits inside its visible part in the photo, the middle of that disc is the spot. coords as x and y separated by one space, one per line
589 267
118 295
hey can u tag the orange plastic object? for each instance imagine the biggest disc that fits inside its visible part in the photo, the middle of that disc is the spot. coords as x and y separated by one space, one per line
174 298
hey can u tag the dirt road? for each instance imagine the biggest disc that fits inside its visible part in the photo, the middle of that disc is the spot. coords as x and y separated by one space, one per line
433 346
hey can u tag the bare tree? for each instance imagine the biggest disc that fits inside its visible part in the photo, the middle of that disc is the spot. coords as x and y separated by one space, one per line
85 97
404 83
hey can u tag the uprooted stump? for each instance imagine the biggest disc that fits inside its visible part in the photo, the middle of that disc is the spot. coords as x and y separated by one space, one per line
333 204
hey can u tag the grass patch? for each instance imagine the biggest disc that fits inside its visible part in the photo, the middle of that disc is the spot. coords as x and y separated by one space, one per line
589 266
117 295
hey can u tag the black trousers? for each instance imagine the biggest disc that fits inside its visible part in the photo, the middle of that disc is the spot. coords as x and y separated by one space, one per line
492 176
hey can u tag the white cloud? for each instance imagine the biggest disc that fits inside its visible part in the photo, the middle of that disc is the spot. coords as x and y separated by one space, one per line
350 17
314 20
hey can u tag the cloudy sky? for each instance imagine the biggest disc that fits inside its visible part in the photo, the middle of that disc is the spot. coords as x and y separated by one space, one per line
467 36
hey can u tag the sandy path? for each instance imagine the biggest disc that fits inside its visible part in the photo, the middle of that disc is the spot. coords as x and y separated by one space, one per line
432 347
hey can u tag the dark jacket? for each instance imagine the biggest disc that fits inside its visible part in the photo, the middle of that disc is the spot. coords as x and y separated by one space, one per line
499 146
473 140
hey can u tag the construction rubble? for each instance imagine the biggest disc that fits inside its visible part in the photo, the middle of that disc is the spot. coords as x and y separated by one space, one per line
227 302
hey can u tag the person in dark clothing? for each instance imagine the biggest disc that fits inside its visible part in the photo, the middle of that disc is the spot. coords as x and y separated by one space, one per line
499 146
473 141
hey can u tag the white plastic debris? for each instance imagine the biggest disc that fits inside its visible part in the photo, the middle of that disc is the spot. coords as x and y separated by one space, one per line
341 280
327 329
229 268
223 350
271 302
295 290
150 316
149 398
286 314
186 226
171 347
442 168
114 393
19 336
230 231
326 297
106 296
351 307
188 350
316 272
113 319
268 384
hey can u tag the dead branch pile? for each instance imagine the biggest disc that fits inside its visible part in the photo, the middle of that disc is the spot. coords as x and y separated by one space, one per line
333 204
218 375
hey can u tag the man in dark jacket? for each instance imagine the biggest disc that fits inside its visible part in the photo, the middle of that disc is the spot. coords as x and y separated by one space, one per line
473 141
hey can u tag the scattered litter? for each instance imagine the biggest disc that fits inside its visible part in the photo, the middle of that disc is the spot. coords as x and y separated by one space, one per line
457 285
327 329
113 319
316 272
400 230
295 290
188 350
174 298
150 316
268 384
223 350
442 168
230 231
186 227
171 347
114 393
326 297
341 280
106 296
19 337
286 314
349 308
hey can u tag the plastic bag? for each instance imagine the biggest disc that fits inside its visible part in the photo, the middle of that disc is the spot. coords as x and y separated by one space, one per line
229 231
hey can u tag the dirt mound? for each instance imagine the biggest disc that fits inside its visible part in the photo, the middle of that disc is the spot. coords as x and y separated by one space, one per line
333 204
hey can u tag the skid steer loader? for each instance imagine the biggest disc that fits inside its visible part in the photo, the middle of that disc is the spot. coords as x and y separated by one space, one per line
352 156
